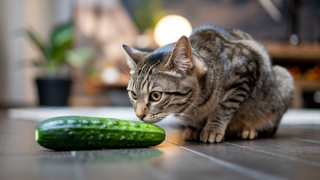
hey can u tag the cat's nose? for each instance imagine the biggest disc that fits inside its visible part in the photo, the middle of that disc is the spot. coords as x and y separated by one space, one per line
141 116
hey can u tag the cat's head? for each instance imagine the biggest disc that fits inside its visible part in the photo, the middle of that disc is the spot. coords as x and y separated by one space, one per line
162 82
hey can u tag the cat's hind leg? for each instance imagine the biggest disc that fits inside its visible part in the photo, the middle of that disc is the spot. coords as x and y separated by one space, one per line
249 128
248 133
264 112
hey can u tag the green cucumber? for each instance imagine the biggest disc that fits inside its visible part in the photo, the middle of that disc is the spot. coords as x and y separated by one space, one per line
80 132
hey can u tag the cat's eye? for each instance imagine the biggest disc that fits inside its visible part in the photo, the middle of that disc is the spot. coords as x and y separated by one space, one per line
133 95
155 96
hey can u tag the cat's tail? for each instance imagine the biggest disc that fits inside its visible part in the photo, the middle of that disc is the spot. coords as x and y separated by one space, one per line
283 92
282 97
284 83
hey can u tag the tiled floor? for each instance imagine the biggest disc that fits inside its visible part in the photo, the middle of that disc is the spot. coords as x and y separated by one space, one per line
294 153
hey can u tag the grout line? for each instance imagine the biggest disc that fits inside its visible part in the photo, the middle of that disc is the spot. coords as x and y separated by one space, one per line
278 155
307 140
249 172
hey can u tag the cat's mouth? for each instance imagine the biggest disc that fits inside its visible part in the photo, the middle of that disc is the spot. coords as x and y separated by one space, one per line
151 121
153 118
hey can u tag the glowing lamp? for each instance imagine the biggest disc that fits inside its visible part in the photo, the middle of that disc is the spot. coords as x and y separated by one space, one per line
170 28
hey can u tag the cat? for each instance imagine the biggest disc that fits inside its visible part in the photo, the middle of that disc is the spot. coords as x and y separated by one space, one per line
216 81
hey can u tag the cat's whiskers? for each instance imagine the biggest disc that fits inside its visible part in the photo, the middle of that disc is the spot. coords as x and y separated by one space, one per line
182 114
169 123
186 115
193 105
125 71
125 76
180 122
210 105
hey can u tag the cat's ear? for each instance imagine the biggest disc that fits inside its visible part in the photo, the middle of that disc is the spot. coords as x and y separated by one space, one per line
181 56
133 56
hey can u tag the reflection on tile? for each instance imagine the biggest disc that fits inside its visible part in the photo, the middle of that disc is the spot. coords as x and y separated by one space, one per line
116 155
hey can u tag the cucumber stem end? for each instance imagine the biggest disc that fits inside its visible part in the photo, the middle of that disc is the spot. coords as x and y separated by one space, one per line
37 135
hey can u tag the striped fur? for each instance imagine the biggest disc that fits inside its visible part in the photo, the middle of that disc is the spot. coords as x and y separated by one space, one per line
216 81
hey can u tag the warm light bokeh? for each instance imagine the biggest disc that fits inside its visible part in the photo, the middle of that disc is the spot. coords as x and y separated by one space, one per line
170 28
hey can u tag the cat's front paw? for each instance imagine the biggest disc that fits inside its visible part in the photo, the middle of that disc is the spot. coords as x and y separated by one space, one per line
248 133
211 136
191 134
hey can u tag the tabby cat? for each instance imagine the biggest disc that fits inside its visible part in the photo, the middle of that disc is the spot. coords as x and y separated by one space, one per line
216 81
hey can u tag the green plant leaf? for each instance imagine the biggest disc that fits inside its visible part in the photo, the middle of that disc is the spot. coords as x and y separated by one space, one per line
37 43
147 13
78 57
61 34
58 53
52 68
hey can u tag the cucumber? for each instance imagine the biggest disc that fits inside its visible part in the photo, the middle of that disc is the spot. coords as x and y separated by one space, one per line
80 132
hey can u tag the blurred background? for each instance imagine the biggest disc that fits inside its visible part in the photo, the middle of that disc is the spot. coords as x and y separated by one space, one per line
50 48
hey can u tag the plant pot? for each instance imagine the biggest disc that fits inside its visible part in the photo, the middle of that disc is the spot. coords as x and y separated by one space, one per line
53 91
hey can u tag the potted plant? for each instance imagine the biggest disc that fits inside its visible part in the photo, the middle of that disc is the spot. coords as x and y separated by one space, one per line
54 83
